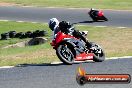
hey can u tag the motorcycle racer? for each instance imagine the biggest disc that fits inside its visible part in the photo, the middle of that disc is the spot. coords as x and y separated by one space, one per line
71 45
54 26
66 28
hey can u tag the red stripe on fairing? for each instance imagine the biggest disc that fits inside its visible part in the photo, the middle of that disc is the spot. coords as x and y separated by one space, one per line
84 56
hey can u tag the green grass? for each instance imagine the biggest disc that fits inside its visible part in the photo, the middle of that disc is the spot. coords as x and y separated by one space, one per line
30 54
19 27
116 42
103 4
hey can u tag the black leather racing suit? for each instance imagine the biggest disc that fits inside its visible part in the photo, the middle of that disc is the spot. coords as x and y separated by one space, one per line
67 28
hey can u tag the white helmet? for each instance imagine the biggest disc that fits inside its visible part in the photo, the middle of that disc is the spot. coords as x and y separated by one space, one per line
53 23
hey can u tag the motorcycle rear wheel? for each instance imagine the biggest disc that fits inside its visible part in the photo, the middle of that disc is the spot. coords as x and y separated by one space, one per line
99 54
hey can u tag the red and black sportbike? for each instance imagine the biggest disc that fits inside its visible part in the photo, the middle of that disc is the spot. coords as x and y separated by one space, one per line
70 49
97 15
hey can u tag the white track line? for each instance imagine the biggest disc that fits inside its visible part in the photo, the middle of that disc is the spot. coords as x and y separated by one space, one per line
6 67
101 26
124 57
20 21
34 22
122 27
4 20
56 62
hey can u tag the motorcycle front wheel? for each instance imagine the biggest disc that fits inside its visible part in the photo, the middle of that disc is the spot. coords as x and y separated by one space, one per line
65 53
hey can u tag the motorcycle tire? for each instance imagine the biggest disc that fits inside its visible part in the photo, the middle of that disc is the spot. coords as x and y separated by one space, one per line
12 34
35 34
42 33
99 54
66 53
105 19
18 34
93 18
5 36
22 36
28 34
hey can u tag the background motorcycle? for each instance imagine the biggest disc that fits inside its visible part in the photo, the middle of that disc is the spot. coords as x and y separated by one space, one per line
70 49
97 15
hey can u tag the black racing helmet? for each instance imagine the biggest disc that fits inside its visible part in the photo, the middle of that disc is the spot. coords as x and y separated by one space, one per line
63 25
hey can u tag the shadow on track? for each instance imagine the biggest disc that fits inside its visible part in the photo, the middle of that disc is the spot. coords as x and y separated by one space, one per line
48 64
85 22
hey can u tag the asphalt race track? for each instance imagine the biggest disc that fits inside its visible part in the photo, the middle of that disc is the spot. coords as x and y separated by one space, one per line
59 75
62 76
116 18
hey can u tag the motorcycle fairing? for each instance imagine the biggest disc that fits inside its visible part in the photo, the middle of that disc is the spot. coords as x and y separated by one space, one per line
78 44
